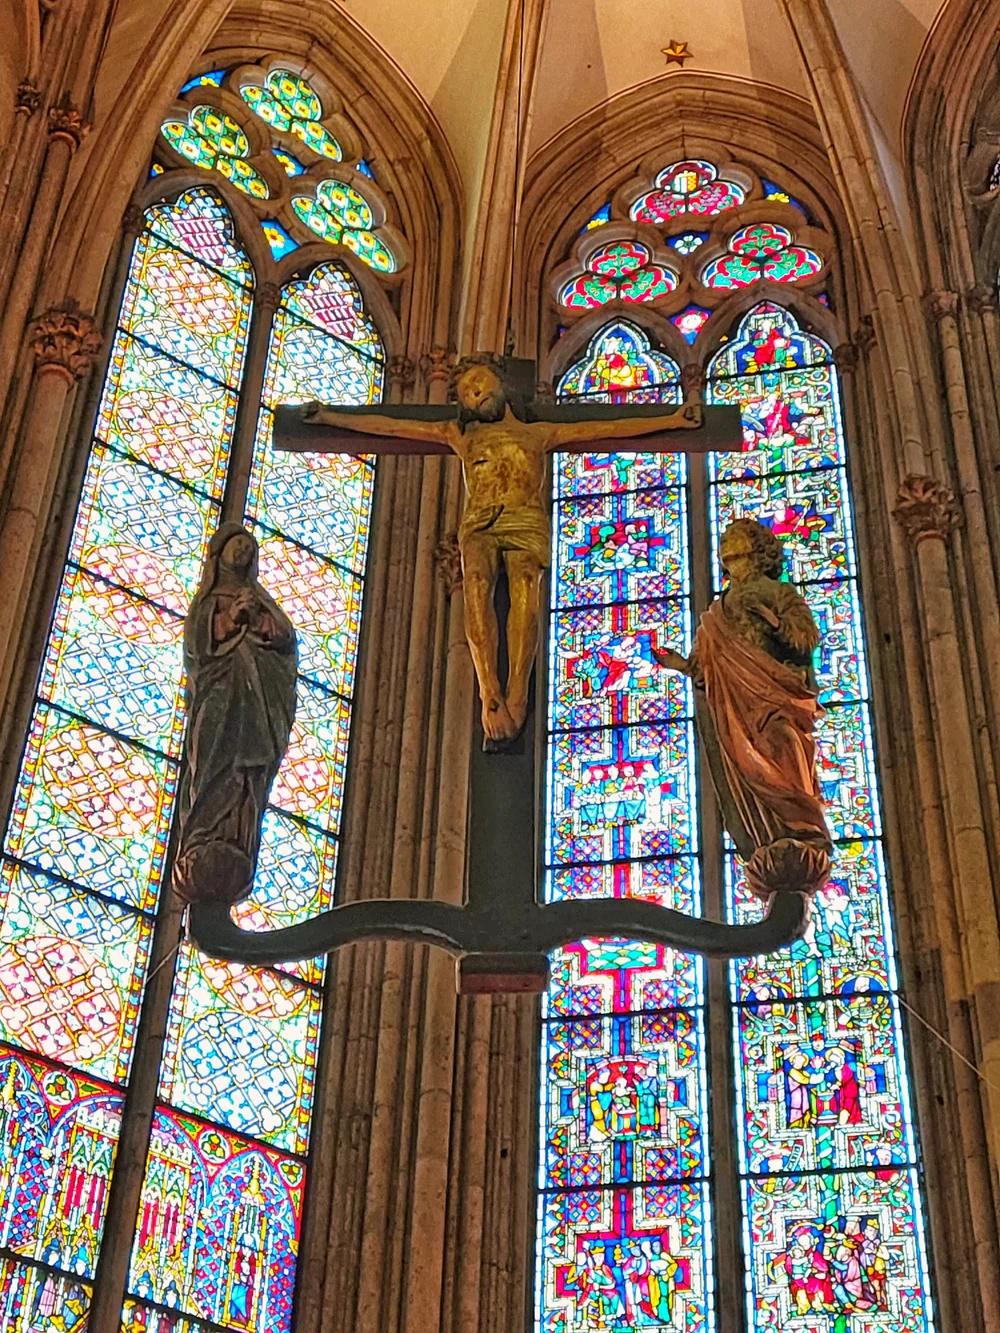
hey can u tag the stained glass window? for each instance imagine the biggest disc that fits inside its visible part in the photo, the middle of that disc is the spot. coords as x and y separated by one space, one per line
832 1223
624 1211
762 251
211 139
86 840
687 187
620 271
86 845
291 105
231 1134
339 214
832 1214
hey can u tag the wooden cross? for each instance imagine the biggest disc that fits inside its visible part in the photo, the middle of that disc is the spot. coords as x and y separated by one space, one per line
503 933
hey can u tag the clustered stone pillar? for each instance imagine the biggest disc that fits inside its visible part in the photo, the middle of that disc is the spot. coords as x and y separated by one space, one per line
65 343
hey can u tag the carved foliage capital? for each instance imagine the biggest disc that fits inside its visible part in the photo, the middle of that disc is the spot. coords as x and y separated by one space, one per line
65 340
864 336
402 371
940 303
982 299
268 297
28 98
692 379
66 122
436 364
845 358
448 559
925 508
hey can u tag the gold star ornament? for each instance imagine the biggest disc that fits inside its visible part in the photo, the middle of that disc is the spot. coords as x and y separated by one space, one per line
676 53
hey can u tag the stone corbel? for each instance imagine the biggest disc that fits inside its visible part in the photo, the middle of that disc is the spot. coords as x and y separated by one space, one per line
65 341
981 299
693 382
864 336
402 372
925 509
941 304
845 358
435 365
28 98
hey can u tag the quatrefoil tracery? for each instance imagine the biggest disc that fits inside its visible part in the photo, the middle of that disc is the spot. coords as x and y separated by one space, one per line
279 136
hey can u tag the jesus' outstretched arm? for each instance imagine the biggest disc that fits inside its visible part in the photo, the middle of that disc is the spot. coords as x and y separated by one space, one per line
374 423
564 434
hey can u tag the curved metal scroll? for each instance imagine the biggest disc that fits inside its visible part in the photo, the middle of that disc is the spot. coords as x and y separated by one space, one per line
496 943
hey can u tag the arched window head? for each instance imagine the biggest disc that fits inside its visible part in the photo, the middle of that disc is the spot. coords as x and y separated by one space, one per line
620 365
182 439
826 1164
687 187
718 235
283 141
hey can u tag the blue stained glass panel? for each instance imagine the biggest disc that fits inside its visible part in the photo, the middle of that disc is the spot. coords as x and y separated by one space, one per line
142 530
833 1228
218 1228
242 1043
624 1236
116 659
92 807
241 1048
626 1258
94 796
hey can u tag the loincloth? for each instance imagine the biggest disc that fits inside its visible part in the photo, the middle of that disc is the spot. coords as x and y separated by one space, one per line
525 528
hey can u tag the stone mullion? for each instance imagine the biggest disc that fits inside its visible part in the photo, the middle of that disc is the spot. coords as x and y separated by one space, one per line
266 298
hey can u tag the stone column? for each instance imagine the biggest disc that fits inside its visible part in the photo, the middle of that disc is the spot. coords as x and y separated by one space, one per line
486 300
66 129
65 343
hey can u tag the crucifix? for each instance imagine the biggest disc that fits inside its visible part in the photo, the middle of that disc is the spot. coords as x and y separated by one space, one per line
502 436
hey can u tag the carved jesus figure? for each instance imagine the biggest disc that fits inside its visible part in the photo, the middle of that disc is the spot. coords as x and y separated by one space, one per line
506 514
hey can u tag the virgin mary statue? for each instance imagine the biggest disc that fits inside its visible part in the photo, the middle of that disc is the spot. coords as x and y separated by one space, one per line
240 658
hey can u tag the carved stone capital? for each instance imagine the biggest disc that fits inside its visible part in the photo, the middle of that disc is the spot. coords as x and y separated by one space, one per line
268 297
692 379
402 371
28 98
941 303
132 220
864 336
982 299
67 123
925 508
545 391
845 358
448 559
436 364
65 341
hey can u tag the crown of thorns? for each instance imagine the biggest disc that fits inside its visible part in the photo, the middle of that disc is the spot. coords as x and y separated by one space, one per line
495 363
767 549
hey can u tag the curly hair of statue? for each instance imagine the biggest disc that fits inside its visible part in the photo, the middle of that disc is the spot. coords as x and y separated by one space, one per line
767 548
